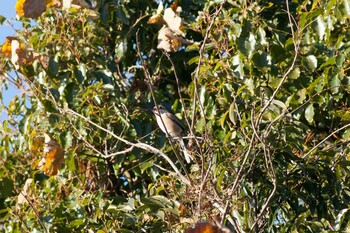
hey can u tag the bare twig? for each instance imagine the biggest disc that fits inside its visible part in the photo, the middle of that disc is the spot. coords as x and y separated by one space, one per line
196 97
296 43
35 211
148 77
238 176
267 155
196 75
269 166
140 145
325 139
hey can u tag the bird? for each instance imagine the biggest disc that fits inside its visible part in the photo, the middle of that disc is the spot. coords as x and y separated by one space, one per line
169 124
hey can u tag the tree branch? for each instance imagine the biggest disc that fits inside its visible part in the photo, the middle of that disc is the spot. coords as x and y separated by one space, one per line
140 145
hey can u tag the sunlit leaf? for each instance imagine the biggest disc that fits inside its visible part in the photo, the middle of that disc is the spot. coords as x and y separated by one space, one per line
320 27
310 113
311 62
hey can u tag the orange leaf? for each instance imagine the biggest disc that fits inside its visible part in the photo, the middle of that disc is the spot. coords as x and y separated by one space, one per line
203 227
54 157
157 18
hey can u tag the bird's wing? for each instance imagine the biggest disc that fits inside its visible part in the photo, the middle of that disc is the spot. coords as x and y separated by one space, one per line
174 118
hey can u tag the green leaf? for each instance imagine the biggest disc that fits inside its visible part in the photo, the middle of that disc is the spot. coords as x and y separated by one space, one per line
232 113
6 187
310 113
237 66
80 72
76 223
220 179
334 83
295 74
247 44
53 66
320 27
331 61
346 7
346 135
261 60
2 20
311 62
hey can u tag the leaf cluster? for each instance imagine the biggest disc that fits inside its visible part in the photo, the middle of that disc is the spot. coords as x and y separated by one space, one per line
264 94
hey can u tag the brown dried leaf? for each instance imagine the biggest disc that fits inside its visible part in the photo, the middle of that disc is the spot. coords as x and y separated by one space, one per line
19 54
203 227
157 18
169 41
173 21
33 8
54 157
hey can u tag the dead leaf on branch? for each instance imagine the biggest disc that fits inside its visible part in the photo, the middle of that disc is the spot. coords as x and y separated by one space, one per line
157 18
203 227
171 36
51 152
174 21
19 53
169 41
30 8
76 4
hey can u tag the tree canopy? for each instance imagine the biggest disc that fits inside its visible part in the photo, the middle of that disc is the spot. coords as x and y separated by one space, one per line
262 87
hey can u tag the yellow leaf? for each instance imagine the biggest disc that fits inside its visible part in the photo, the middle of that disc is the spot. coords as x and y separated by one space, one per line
19 8
54 3
36 146
6 47
156 19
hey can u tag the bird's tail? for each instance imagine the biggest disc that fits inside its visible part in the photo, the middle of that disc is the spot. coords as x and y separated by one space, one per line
187 155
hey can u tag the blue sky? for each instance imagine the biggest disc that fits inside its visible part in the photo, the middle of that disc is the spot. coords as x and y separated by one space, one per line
7 9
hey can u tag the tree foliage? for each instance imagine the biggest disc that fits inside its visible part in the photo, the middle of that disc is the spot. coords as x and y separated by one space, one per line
262 87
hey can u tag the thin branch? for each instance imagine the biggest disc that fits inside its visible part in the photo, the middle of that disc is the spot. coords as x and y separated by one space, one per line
274 181
196 75
195 98
296 43
35 211
148 76
140 145
238 176
267 155
127 150
325 139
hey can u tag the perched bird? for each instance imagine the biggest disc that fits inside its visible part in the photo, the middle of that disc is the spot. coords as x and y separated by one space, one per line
173 127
